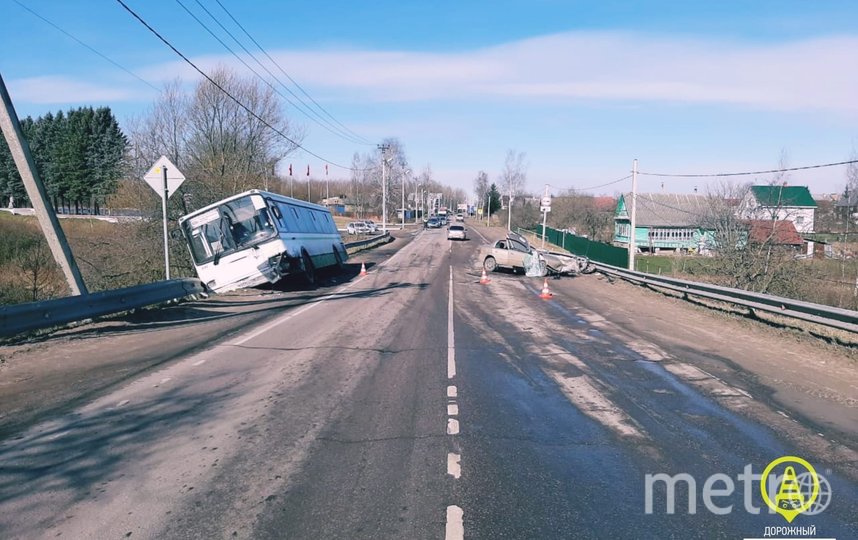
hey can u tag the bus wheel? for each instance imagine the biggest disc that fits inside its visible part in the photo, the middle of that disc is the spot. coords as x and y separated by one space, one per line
309 269
339 258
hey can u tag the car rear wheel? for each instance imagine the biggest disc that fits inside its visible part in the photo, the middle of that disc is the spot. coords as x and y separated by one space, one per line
490 264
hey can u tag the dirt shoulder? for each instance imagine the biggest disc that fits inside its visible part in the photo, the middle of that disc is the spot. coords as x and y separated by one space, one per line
790 371
54 372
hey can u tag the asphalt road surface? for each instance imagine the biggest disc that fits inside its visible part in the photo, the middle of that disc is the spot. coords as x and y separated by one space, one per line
416 402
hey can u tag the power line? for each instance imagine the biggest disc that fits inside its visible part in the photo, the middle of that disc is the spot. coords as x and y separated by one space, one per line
283 71
607 184
92 49
300 107
750 172
230 96
590 187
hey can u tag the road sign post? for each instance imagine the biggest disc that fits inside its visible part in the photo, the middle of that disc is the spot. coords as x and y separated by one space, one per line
165 179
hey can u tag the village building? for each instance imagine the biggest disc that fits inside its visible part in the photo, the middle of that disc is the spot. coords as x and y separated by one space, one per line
780 203
664 221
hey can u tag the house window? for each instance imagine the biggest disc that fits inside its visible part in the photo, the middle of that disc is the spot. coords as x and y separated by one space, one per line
799 220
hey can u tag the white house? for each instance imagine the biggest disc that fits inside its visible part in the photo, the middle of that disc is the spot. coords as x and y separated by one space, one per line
781 203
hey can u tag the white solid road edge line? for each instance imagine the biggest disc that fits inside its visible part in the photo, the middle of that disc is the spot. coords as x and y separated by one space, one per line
451 341
321 300
455 526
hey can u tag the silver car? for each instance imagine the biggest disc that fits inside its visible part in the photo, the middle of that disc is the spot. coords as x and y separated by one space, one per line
457 232
516 253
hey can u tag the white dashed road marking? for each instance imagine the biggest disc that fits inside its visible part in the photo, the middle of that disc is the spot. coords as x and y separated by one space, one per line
455 528
454 467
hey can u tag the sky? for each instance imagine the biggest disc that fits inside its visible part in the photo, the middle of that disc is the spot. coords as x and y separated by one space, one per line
583 88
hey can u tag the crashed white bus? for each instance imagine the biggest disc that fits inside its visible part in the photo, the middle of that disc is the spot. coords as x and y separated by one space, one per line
257 237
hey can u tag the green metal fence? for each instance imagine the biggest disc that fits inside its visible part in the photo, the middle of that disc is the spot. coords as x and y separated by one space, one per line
595 251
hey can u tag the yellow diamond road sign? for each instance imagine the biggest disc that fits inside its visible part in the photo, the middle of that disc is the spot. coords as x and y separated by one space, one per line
155 177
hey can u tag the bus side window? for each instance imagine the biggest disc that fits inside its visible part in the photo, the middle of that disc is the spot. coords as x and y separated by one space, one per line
278 215
317 221
299 225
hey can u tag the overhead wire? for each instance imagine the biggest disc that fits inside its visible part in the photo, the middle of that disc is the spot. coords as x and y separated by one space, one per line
230 96
749 173
285 74
306 111
617 181
89 47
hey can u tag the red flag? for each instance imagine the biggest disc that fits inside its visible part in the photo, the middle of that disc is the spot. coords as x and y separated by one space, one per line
308 170
290 169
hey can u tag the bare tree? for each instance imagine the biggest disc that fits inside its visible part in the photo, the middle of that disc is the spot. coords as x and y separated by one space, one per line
757 262
481 188
513 178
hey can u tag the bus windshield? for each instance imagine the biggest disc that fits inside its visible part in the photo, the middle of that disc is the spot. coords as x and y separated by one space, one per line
229 227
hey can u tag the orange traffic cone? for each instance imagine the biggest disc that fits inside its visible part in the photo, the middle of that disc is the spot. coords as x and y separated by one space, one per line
484 279
545 294
362 269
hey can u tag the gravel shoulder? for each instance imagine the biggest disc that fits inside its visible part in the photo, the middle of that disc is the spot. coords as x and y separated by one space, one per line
54 372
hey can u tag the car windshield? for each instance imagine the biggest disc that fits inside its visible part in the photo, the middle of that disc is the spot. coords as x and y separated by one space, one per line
228 228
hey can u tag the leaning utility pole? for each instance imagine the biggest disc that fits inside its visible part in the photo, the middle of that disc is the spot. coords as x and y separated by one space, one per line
384 148
36 192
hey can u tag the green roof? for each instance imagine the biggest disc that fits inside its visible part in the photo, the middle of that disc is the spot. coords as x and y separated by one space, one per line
783 196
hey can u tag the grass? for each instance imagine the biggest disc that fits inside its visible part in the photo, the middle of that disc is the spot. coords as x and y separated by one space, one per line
109 256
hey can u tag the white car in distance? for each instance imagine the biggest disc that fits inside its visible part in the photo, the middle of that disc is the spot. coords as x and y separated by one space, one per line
357 227
457 232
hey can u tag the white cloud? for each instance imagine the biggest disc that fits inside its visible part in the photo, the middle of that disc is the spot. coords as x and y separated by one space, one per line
812 74
64 90
809 74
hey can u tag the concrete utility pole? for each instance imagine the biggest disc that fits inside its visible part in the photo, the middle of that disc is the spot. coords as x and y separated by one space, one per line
36 192
403 198
384 148
544 214
489 209
632 220
509 216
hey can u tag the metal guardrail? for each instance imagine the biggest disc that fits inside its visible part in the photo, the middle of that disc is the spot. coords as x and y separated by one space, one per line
33 316
36 315
830 316
354 247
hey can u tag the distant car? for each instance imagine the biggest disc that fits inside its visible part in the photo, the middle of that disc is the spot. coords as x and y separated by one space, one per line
515 252
371 225
460 217
357 227
443 220
457 232
433 223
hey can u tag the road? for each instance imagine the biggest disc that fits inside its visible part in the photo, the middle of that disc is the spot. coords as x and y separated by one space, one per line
415 402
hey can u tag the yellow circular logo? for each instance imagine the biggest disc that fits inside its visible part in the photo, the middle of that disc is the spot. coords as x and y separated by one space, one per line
789 500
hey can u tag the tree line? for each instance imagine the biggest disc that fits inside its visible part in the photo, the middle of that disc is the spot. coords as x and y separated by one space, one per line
78 155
